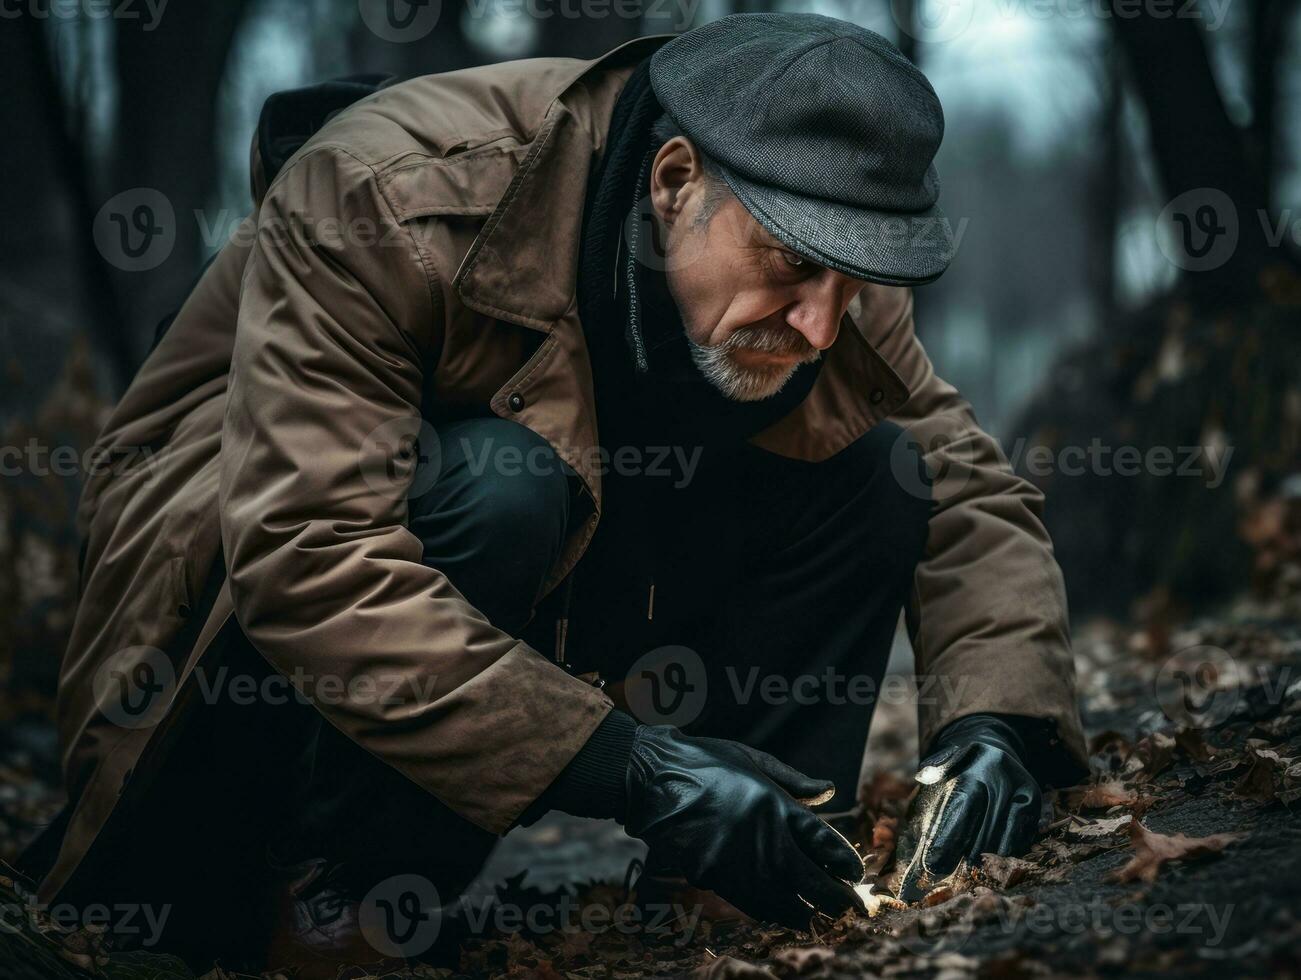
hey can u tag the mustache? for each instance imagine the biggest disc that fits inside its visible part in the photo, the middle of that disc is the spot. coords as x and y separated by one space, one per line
770 340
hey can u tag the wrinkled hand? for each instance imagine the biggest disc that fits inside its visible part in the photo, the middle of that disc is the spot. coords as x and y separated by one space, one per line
729 818
976 797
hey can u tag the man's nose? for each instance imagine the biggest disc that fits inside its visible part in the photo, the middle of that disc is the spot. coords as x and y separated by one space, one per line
816 315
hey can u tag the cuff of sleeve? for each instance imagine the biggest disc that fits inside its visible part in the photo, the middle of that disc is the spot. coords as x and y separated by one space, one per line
593 784
1033 740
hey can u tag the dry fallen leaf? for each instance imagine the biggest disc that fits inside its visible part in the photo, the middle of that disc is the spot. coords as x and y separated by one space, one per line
1257 783
1101 796
1006 871
1152 850
730 968
882 845
1094 829
1156 752
802 959
1191 742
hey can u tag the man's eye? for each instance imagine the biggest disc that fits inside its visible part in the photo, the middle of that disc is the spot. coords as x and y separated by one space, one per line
791 258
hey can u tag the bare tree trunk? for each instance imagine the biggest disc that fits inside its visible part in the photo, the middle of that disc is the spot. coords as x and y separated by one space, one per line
1106 192
62 185
169 76
906 12
1270 21
1197 146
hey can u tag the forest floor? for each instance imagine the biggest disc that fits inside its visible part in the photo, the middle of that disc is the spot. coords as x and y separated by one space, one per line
1181 857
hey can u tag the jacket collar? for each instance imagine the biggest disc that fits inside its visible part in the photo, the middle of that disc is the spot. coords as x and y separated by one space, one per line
523 265
522 268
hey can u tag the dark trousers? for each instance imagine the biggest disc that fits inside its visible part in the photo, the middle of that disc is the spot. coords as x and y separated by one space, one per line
747 596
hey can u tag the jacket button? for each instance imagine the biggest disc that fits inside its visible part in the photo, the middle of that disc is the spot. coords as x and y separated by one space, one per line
516 402
877 396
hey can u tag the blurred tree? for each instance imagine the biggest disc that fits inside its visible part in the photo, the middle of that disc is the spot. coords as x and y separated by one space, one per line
1106 188
169 71
1195 143
445 48
53 190
1270 20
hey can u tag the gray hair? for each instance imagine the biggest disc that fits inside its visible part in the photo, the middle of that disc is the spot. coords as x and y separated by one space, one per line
716 190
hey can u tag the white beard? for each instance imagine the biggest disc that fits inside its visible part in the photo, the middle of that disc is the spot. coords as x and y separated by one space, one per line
744 384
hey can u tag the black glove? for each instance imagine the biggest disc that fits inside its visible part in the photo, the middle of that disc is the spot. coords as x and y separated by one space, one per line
727 817
976 797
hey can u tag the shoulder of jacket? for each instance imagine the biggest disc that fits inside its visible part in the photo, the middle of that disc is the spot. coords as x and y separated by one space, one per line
449 144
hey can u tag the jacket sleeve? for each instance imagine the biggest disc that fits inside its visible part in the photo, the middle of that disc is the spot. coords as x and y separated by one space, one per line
988 613
338 314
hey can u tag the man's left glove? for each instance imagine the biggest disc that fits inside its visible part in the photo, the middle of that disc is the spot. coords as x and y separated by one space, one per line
976 797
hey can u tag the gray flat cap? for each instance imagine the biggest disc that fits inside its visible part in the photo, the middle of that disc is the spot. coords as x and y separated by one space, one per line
824 131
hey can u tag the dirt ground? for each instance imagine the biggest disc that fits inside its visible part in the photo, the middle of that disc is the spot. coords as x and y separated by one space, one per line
1182 857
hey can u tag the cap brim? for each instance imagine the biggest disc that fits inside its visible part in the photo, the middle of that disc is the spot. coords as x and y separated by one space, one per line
889 247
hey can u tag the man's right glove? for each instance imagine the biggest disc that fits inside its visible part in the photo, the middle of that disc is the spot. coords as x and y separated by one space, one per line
728 817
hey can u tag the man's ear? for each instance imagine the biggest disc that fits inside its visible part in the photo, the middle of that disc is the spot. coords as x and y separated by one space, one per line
676 172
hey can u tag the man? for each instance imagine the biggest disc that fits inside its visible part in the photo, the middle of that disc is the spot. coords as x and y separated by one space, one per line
376 435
